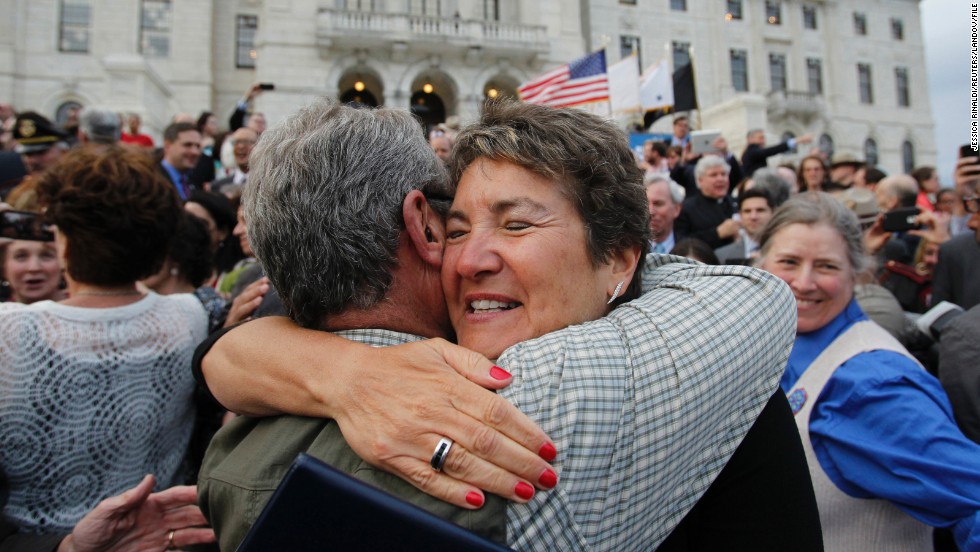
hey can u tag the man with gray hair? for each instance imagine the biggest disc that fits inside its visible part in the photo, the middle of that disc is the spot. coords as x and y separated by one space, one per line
98 126
773 184
709 214
342 209
664 198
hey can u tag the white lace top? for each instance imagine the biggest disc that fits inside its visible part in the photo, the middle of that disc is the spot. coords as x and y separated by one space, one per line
91 400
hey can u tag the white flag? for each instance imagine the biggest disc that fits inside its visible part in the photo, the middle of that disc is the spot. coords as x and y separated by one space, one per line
624 86
657 87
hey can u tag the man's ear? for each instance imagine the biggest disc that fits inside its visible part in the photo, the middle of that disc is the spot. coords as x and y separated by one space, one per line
624 265
424 227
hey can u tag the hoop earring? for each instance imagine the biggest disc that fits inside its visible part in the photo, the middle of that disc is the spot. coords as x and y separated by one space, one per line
615 294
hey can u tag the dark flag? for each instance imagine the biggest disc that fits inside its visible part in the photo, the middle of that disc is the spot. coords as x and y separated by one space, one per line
685 98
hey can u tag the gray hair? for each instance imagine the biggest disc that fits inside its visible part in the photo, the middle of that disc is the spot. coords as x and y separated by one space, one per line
773 184
674 190
709 162
323 204
812 208
100 125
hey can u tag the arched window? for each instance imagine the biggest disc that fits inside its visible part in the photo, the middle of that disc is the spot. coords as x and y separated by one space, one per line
67 113
871 152
359 98
826 145
908 156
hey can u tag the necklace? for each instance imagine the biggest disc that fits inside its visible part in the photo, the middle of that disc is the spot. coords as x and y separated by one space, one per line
117 293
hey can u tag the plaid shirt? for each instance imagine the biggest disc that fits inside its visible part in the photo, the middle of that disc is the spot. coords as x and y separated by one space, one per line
647 405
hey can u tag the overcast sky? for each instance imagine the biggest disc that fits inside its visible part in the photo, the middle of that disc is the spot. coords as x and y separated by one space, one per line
946 32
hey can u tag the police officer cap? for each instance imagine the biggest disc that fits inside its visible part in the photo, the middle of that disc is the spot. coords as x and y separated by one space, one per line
35 133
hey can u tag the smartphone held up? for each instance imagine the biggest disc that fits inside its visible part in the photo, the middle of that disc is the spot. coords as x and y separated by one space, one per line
23 225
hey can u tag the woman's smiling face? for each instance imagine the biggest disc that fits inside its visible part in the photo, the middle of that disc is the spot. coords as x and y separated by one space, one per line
813 260
516 264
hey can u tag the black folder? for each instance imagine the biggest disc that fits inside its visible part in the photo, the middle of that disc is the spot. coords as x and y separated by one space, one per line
317 507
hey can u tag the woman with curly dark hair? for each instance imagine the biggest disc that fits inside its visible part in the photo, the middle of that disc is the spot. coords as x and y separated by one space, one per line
189 267
95 390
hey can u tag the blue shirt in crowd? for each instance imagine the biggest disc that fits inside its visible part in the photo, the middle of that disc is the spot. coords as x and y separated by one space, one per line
883 428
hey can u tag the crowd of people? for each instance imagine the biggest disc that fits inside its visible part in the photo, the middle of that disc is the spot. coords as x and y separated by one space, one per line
626 373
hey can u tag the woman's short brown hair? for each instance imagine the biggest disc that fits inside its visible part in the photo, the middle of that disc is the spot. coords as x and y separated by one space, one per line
117 211
588 156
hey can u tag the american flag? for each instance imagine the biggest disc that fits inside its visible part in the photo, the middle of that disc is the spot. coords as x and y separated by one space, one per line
579 82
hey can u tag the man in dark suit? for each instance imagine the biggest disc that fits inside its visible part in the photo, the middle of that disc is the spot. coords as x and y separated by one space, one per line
181 150
755 208
756 154
707 215
958 270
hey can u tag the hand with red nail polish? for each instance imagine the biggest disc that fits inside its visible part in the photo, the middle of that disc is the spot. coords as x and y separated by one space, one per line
548 479
474 499
548 452
524 491
494 443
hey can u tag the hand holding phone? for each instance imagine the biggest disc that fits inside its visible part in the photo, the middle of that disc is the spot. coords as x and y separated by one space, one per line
900 220
23 225
267 86
966 176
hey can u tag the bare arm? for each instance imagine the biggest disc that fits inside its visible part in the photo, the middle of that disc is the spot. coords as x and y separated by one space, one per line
393 404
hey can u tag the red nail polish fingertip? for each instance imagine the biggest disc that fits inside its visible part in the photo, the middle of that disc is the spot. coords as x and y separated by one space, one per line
499 373
548 479
548 452
474 499
524 490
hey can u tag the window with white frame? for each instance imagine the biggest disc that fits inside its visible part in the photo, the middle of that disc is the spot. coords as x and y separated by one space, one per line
75 26
908 157
773 12
740 70
860 24
865 92
432 8
491 10
898 29
902 86
814 75
155 25
245 28
810 17
734 10
871 152
777 72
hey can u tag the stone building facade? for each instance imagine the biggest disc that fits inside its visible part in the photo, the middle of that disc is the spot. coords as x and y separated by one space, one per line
852 73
